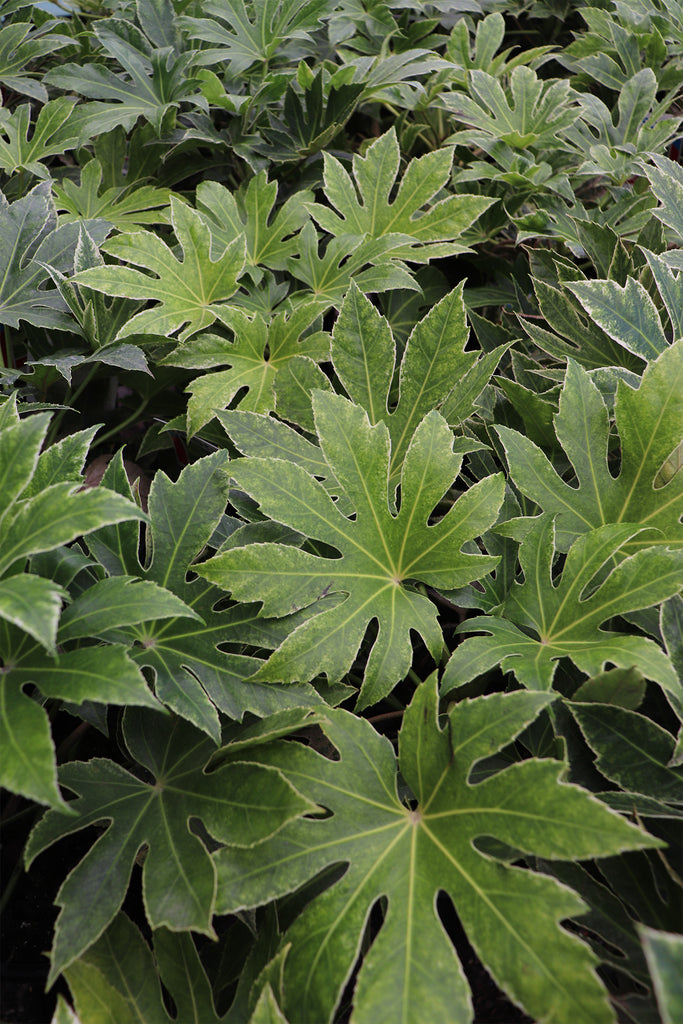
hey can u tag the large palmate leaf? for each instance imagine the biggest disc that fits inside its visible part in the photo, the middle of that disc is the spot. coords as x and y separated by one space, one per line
542 621
649 422
192 672
257 354
406 854
530 116
432 226
270 236
271 30
30 241
40 510
242 803
156 80
433 368
380 553
189 290
50 135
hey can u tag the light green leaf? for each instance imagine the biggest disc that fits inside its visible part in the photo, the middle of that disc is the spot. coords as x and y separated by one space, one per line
649 423
433 364
369 262
433 231
380 553
543 621
242 802
627 314
190 291
407 853
258 353
664 955
270 237
49 136
124 207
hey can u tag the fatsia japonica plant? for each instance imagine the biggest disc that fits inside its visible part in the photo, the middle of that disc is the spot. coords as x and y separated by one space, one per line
341 512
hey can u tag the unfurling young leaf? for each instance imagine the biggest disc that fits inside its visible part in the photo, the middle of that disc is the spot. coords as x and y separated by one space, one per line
379 554
406 854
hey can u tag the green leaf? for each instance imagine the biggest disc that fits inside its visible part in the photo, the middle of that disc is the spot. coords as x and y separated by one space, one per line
193 673
433 231
258 353
406 854
631 750
30 240
20 45
244 803
348 258
119 601
379 553
48 138
270 237
544 620
190 291
116 980
666 181
34 605
255 34
364 353
664 953
57 515
122 206
649 425
156 81
28 764
627 314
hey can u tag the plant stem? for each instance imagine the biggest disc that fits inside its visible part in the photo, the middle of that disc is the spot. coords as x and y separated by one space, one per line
135 415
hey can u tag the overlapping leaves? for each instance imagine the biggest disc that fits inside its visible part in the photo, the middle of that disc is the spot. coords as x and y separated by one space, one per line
407 853
40 510
379 554
243 803
543 619
648 421
193 672
189 291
